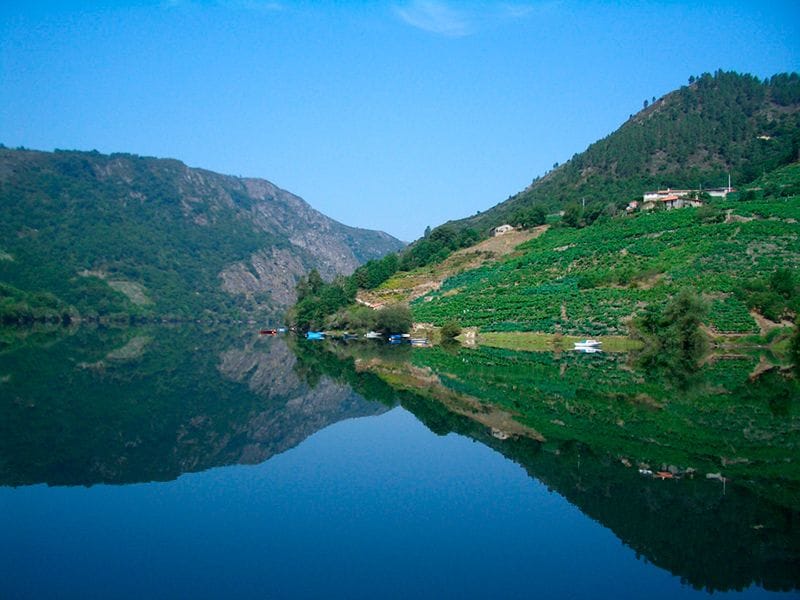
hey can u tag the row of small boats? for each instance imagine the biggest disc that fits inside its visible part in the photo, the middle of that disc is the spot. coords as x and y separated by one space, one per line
588 345
273 331
395 338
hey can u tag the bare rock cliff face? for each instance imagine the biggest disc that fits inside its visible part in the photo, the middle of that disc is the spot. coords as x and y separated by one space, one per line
278 211
270 271
305 238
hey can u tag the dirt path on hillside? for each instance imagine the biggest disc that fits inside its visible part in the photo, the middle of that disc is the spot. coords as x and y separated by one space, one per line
406 287
765 325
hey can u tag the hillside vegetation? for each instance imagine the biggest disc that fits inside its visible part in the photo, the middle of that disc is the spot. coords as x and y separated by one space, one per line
740 255
87 234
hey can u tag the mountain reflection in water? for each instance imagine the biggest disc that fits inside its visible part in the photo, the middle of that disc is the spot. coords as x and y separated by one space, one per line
90 406
125 406
592 428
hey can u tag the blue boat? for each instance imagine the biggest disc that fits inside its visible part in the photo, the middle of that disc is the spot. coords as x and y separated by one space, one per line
315 335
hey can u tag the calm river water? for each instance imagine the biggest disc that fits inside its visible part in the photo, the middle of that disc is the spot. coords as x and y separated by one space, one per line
188 463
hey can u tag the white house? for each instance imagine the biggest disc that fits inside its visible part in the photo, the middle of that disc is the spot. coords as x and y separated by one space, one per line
691 197
502 229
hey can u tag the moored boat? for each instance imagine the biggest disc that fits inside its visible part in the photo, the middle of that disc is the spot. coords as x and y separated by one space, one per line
588 344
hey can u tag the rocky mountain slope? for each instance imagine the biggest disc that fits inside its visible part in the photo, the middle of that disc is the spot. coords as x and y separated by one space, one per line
86 233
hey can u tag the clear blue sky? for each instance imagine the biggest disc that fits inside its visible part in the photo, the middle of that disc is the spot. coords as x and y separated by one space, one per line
386 115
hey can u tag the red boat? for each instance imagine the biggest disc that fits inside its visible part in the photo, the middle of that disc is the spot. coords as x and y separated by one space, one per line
268 332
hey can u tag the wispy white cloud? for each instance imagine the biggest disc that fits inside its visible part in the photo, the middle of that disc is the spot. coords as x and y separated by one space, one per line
435 17
442 18
516 11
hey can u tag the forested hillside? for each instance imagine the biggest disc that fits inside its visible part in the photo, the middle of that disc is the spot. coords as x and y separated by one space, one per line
83 233
719 124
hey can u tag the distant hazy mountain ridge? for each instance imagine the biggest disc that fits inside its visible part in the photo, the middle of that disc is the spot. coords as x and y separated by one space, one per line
94 234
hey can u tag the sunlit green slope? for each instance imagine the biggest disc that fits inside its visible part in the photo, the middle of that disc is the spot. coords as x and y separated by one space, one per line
740 254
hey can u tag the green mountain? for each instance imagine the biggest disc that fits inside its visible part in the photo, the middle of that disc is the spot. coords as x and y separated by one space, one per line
741 254
96 235
718 125
595 269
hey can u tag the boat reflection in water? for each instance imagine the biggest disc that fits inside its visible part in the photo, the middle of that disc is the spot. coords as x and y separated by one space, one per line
588 346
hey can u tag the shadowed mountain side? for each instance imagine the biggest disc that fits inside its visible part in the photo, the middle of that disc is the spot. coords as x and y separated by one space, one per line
124 407
94 234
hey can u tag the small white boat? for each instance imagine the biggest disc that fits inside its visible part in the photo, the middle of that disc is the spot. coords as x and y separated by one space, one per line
588 344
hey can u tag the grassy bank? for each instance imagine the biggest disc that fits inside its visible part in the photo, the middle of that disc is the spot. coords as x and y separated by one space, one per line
531 341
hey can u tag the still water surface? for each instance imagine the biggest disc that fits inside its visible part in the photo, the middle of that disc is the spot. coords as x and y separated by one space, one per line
131 485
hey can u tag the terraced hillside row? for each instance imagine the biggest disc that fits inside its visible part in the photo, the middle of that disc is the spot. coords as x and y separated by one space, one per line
592 281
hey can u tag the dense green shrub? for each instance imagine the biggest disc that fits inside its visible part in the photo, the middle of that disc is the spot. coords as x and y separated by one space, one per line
395 318
317 300
450 330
